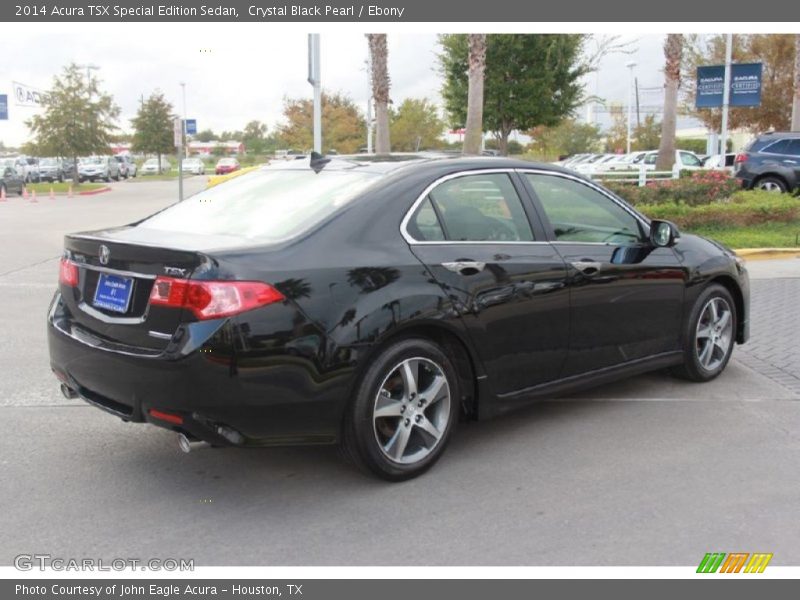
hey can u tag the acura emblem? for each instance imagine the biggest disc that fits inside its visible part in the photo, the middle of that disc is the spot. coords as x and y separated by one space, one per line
105 254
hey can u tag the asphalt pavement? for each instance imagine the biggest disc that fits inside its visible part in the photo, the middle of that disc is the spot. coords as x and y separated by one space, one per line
647 471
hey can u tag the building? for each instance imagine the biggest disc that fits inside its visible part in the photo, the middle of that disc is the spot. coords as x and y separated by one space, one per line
209 148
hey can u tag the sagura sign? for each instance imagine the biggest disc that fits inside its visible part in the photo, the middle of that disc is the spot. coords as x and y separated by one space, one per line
25 95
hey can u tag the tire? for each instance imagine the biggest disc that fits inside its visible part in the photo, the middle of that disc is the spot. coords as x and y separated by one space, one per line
414 433
772 184
705 356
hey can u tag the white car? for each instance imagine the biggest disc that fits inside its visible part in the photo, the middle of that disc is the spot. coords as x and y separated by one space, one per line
150 166
684 159
195 166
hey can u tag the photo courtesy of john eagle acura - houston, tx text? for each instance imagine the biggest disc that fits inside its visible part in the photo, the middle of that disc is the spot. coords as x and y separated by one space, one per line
375 304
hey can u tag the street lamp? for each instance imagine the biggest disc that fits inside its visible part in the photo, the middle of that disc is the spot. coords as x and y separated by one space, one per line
630 66
182 143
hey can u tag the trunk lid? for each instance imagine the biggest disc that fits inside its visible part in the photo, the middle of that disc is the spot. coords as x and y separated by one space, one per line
116 272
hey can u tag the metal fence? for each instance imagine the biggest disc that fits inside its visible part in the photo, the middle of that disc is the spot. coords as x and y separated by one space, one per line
638 177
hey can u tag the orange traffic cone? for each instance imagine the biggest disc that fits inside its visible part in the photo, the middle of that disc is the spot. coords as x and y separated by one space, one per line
25 193
69 193
33 196
52 193
3 194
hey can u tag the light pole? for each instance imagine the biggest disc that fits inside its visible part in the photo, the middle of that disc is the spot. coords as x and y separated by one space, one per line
314 80
89 68
181 147
630 66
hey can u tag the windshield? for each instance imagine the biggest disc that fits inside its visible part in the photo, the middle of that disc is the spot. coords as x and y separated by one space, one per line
48 162
268 205
92 160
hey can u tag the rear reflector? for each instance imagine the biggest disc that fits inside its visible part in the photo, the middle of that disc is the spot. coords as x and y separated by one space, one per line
213 299
168 417
68 273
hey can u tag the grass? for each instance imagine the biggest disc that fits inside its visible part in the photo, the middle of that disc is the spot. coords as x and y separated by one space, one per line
63 188
765 235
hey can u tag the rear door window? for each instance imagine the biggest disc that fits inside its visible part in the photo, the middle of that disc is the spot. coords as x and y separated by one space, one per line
794 148
480 208
779 147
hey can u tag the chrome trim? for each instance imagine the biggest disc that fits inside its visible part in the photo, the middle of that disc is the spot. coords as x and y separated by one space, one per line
93 342
160 335
93 312
508 170
114 271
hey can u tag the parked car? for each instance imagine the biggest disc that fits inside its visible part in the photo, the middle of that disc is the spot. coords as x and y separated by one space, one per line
226 165
10 181
720 162
195 166
27 167
51 169
771 162
264 311
133 170
685 161
94 168
127 168
150 166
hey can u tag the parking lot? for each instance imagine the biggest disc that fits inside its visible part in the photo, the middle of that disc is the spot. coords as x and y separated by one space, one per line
649 471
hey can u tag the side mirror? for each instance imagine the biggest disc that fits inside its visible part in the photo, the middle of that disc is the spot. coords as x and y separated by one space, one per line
663 234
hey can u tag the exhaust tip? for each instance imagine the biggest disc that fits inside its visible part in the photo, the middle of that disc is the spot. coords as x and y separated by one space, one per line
186 445
68 392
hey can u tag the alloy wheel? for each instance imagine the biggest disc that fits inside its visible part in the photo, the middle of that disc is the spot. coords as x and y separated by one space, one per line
714 333
412 410
770 186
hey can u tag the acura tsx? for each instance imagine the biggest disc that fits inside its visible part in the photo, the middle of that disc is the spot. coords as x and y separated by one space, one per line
376 304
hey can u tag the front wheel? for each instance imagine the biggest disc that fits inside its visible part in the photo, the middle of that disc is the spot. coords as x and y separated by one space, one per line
710 335
404 411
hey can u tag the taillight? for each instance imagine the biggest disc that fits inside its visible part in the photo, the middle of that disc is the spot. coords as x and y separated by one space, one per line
740 158
68 273
213 299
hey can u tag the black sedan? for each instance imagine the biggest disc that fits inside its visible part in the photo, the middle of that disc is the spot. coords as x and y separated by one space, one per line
10 180
375 304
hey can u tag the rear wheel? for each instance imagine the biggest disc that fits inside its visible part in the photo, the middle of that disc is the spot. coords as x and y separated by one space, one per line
710 335
772 184
404 411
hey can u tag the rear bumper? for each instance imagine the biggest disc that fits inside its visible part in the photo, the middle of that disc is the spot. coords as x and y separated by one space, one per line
219 399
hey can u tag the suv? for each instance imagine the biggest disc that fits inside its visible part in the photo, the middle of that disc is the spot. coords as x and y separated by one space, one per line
771 162
98 167
51 169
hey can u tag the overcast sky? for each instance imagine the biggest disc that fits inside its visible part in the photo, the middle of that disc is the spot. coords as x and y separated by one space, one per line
238 72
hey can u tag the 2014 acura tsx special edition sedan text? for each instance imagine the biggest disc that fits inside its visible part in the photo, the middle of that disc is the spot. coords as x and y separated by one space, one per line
376 303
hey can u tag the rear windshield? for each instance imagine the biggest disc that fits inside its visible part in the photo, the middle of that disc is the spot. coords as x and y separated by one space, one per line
265 206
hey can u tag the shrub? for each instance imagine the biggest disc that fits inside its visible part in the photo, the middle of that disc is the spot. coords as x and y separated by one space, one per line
701 187
743 209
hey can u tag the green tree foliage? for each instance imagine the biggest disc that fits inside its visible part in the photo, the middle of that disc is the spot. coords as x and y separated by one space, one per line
416 125
647 135
777 54
530 80
153 127
617 134
206 135
343 126
254 137
78 119
567 138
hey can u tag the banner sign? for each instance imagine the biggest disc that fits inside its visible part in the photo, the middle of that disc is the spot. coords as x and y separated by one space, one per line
25 95
3 107
745 89
191 126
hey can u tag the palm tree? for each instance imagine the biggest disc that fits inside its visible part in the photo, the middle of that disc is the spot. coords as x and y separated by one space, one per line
379 54
473 136
796 103
673 50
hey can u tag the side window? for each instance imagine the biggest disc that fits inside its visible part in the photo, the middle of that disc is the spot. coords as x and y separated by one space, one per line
579 213
794 148
779 147
651 159
690 160
480 208
424 224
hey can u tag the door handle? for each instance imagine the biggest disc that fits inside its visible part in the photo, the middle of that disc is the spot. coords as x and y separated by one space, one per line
460 266
587 267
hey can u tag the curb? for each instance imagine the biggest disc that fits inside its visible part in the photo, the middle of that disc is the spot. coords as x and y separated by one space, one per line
101 190
768 253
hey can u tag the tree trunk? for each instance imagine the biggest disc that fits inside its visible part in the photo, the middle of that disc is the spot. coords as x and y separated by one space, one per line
159 162
380 90
473 136
796 103
673 49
